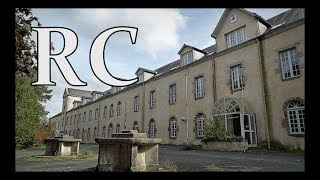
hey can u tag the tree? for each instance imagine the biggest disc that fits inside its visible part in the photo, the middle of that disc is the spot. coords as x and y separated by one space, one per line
29 110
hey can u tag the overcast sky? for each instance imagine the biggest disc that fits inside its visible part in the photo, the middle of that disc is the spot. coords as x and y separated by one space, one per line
161 34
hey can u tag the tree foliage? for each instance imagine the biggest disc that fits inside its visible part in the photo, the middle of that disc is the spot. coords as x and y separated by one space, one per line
26 54
43 131
29 110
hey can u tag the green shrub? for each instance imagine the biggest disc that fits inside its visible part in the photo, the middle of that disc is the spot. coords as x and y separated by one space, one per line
214 130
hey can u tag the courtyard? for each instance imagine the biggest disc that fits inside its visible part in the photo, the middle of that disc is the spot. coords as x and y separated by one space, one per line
254 160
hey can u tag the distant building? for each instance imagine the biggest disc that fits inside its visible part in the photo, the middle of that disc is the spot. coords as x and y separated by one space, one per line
253 76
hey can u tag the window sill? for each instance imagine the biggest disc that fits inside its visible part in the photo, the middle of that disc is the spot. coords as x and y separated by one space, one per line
199 97
290 78
297 135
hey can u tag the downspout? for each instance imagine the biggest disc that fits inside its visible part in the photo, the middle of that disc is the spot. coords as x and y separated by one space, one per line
98 120
264 88
214 91
142 107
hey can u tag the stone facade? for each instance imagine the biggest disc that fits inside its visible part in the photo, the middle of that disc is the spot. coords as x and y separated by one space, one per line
266 92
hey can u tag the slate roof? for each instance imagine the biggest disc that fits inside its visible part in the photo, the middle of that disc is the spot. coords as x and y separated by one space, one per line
78 92
287 17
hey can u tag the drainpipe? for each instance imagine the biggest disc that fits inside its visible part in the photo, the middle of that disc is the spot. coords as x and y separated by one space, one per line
187 118
264 89
98 134
214 91
142 107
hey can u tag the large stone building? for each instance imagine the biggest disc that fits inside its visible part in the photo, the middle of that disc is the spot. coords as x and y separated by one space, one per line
253 76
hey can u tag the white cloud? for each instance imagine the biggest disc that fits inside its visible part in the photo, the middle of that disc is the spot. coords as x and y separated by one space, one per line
158 28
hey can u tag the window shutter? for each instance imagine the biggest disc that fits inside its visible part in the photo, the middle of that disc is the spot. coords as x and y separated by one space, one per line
177 127
195 126
155 99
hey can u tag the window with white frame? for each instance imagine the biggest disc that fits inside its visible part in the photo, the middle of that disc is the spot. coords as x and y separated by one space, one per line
136 103
104 131
119 108
152 129
105 112
172 94
200 125
236 77
96 114
111 110
152 99
235 37
78 134
110 130
295 114
135 126
173 127
84 116
83 134
90 115
118 128
289 63
140 78
79 118
89 134
95 133
199 86
186 58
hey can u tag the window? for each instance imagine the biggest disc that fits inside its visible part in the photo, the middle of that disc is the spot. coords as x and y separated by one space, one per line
90 115
200 125
66 121
153 99
104 131
95 133
135 126
136 103
74 134
75 119
289 64
199 87
186 58
96 114
89 134
119 108
172 94
110 130
152 129
118 128
295 114
105 112
173 127
235 37
78 134
84 116
70 120
83 134
140 77
236 77
111 110
79 118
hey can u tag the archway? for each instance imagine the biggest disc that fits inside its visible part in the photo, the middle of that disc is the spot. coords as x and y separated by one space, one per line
239 118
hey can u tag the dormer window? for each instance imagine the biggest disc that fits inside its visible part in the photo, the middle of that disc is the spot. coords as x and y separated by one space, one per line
140 78
186 58
236 37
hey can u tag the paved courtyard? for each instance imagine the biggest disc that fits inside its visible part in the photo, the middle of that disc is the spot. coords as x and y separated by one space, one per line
186 161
